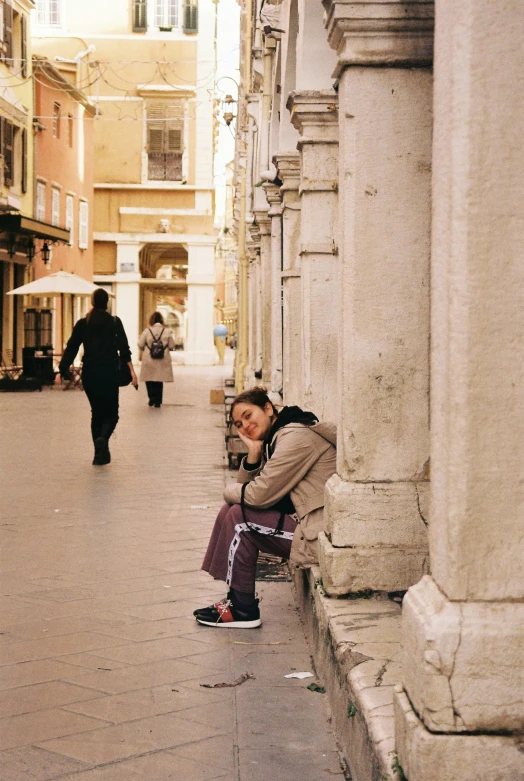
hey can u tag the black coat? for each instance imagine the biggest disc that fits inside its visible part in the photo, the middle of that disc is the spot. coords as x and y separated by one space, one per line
104 340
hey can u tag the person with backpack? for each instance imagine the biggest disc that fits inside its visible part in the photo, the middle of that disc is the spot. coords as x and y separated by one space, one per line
275 507
105 348
155 343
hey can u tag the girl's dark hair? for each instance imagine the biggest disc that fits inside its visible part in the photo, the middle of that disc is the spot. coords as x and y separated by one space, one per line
156 317
100 298
256 396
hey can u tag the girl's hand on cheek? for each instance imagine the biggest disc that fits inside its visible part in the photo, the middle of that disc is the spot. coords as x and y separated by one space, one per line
255 448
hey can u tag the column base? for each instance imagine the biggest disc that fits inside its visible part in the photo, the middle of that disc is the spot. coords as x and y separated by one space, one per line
426 756
463 662
350 570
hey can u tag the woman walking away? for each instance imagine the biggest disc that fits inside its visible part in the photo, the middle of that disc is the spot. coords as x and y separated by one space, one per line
155 343
105 344
275 507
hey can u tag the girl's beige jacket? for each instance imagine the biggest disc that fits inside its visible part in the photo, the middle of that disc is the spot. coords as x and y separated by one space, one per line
303 460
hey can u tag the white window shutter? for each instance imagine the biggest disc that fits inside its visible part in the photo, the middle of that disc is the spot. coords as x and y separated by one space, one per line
69 218
83 228
40 201
55 207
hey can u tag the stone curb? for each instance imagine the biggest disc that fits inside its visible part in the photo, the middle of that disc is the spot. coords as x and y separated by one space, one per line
356 649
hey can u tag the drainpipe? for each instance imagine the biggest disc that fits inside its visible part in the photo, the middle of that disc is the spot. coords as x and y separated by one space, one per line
242 257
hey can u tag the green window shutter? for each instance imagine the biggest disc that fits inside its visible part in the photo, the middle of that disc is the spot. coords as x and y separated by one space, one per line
191 16
8 140
23 45
8 29
24 160
139 16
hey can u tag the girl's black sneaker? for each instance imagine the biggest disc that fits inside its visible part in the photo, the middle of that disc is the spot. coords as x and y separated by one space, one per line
226 614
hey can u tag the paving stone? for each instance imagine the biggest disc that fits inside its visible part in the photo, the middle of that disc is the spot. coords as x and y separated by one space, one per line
35 764
134 738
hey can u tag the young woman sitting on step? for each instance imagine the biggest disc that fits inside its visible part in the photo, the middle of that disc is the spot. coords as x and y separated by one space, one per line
275 507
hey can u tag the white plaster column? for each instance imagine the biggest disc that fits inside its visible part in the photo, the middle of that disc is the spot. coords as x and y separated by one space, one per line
265 281
275 214
254 306
199 347
314 114
460 712
127 290
375 536
288 167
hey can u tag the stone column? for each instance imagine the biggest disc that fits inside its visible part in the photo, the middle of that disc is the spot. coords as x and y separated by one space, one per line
265 278
460 712
288 167
376 515
314 115
275 214
199 347
253 297
127 290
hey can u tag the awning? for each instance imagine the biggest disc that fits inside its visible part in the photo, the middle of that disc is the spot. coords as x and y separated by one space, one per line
26 226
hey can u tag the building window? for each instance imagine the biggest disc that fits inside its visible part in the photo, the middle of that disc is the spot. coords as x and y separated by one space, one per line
83 225
70 129
167 13
165 141
40 201
7 33
49 12
191 16
7 143
55 206
139 16
69 217
56 120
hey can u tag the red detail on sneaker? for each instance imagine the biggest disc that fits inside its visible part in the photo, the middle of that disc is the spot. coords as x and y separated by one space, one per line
226 616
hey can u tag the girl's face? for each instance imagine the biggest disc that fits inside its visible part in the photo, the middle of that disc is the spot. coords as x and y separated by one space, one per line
252 421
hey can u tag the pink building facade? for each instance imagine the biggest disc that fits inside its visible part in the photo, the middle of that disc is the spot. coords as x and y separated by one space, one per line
64 149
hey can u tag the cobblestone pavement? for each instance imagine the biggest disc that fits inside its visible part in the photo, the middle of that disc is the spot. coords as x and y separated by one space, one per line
101 661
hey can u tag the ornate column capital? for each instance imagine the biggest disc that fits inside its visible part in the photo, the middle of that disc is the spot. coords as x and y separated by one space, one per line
254 231
274 199
288 170
314 113
390 33
263 223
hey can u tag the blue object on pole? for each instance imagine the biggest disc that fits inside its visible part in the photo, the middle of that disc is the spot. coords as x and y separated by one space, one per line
220 330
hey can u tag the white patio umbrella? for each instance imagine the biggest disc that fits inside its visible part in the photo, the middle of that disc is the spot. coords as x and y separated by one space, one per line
61 282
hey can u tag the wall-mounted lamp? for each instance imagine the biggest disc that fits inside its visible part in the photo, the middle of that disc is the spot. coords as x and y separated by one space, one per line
46 253
11 245
30 250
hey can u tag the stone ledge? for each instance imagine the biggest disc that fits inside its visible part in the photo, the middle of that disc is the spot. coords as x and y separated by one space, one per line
356 648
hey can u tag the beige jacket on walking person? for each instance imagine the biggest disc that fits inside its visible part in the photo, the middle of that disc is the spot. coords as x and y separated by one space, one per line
303 460
156 369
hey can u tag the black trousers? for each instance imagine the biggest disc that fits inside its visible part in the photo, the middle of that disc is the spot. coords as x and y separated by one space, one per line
101 388
155 391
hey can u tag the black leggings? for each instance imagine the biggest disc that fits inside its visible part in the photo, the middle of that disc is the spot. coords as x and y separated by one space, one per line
101 389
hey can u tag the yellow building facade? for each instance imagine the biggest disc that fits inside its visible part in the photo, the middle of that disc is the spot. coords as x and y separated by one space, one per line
148 67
